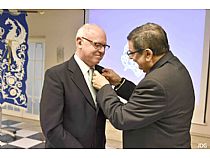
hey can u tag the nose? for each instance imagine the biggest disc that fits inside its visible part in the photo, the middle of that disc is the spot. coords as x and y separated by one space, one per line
130 56
101 49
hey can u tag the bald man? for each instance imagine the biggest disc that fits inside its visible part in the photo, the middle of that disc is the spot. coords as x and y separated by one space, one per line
69 115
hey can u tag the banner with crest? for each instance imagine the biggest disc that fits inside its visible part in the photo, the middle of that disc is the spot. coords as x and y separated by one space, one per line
13 58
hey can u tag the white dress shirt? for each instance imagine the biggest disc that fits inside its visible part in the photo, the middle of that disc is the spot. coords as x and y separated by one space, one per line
87 72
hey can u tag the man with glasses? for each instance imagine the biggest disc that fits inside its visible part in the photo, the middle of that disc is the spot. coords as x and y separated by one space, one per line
159 109
69 114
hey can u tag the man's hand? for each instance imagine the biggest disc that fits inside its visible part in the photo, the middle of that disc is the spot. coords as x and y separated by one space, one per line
111 76
99 80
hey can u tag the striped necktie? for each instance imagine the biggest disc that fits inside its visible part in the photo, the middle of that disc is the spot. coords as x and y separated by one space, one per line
91 88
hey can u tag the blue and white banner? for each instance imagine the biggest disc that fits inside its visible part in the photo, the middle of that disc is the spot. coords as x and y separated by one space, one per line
13 58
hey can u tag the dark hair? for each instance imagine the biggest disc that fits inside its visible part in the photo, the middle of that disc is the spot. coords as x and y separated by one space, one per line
150 35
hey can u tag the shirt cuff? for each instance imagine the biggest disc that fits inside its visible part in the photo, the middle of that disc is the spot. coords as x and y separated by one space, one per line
120 84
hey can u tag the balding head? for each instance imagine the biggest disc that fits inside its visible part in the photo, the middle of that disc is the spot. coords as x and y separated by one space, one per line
88 30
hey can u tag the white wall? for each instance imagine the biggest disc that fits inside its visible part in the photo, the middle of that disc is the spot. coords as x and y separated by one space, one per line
58 28
204 129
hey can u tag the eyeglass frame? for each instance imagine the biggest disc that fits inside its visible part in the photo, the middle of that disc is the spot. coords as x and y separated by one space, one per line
137 51
97 45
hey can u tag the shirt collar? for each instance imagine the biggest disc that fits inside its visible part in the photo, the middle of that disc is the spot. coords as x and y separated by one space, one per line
84 67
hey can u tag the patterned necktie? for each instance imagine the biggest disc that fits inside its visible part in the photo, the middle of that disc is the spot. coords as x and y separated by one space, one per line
91 88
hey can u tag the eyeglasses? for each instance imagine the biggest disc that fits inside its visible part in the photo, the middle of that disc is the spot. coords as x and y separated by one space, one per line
97 45
137 51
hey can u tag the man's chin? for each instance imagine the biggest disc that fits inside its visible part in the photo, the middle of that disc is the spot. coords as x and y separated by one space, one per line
97 61
142 69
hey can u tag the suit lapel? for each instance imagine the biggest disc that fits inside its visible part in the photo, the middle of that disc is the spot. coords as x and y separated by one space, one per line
79 80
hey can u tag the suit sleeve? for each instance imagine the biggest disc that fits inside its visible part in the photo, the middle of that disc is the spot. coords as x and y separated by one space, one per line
51 110
146 105
126 89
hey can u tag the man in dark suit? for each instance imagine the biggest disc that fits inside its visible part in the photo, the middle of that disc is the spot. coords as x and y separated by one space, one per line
69 115
159 109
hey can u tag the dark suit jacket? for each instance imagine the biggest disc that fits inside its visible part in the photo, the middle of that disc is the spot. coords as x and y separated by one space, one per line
69 118
158 112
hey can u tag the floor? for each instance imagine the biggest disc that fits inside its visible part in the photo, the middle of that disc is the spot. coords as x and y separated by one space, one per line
29 135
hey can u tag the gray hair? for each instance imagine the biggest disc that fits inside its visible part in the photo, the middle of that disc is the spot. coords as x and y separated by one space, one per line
150 35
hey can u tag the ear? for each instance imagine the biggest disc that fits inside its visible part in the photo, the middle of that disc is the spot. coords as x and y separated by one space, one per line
79 42
148 54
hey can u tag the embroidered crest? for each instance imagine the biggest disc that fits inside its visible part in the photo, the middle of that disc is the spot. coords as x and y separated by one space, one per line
13 58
